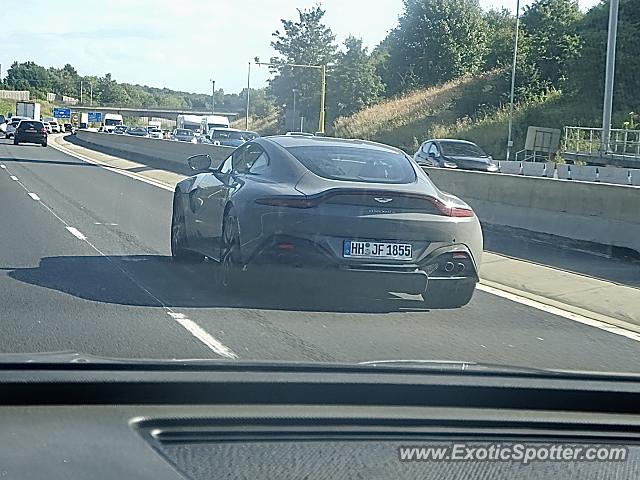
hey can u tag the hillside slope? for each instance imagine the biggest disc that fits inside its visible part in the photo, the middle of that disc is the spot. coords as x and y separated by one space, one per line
469 108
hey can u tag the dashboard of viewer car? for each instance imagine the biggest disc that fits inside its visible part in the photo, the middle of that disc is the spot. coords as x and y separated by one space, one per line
111 420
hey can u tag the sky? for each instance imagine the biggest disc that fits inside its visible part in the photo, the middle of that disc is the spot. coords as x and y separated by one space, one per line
180 45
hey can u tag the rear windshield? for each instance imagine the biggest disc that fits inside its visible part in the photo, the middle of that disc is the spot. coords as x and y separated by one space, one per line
225 134
462 149
24 125
355 164
187 133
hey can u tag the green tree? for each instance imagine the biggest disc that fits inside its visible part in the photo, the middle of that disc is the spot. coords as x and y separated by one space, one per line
502 25
551 29
29 76
354 83
306 41
435 41
587 69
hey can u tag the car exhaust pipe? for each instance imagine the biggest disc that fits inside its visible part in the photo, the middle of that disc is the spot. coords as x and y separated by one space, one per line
449 266
460 267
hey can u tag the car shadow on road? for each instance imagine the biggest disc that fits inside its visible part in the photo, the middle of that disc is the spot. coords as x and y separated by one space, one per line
155 281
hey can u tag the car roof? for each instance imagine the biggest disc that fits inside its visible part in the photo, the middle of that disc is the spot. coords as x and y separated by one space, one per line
287 141
449 140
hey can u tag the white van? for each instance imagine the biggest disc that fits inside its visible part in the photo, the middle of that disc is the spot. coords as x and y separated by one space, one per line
110 122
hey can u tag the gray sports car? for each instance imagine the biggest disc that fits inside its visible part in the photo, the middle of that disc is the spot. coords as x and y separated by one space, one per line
360 210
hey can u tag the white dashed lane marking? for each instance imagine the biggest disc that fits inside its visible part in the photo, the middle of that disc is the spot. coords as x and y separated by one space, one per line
76 233
34 196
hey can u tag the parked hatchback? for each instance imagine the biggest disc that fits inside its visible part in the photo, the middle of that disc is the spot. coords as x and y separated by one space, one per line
449 153
30 131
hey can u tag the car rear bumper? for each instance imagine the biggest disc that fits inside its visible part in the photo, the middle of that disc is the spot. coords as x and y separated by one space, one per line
37 138
445 267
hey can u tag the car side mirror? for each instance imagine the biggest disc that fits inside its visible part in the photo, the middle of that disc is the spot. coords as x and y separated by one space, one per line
199 162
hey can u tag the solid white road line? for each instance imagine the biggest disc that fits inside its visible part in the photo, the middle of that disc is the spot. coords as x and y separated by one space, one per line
76 233
560 312
34 196
13 177
106 166
198 332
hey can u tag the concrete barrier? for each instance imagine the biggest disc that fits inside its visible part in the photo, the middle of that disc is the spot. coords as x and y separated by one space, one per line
591 212
583 173
533 169
168 150
619 176
510 167
634 173
550 171
563 171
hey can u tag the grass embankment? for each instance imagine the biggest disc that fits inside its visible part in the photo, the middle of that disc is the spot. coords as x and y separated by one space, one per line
468 108
264 126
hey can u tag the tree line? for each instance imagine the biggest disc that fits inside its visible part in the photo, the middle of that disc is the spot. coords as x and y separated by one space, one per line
560 49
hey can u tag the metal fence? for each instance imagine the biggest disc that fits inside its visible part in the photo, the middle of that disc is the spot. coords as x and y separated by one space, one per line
19 95
590 141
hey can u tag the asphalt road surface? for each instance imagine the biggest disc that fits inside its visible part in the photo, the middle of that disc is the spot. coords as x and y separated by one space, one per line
85 266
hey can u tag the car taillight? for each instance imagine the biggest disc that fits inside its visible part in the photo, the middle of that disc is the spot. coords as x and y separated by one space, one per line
451 210
43 130
288 201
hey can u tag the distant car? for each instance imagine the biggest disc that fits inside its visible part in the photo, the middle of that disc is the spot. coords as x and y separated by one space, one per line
55 127
12 125
30 131
137 132
230 137
155 133
120 129
300 134
184 135
450 153
68 127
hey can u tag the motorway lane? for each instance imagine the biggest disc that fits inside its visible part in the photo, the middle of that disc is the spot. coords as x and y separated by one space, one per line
90 305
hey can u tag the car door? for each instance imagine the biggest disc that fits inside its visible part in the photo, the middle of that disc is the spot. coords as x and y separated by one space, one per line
433 154
211 194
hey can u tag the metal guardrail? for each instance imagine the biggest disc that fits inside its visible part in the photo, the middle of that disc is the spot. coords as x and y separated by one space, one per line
588 144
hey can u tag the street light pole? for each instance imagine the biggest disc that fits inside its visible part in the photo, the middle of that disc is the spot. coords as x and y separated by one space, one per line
81 92
323 97
246 118
91 94
610 75
513 81
213 93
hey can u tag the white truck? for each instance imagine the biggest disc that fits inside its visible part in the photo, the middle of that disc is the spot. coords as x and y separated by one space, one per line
28 110
210 122
84 120
110 121
190 122
154 124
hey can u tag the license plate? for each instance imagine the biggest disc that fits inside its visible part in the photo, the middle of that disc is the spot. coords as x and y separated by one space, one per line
358 249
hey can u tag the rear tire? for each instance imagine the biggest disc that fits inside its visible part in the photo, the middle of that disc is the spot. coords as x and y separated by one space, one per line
230 267
15 142
44 144
179 252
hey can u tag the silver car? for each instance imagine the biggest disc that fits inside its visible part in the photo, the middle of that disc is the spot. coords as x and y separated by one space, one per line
345 209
